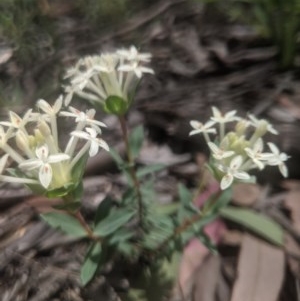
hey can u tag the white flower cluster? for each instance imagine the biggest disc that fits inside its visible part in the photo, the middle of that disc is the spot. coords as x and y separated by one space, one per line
97 77
38 156
236 152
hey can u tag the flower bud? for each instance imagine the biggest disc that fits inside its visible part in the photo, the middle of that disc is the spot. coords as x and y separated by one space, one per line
44 128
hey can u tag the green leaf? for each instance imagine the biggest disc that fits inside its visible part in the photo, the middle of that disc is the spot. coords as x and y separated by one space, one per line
79 168
115 155
256 222
91 263
136 139
103 209
185 195
116 219
143 171
222 201
64 222
115 105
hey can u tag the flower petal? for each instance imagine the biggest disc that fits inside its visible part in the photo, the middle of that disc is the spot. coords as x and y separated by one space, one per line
58 158
226 181
45 175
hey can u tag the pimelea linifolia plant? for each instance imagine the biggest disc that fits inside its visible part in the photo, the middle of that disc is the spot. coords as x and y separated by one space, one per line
135 227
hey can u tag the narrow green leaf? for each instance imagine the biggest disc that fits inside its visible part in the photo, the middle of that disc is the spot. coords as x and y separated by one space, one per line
79 168
115 155
185 195
103 209
113 221
222 201
136 140
258 223
143 171
91 263
65 223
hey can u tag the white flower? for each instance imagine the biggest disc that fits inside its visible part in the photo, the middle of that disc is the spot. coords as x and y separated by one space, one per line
221 118
202 128
43 162
278 159
136 68
219 153
255 153
232 171
16 121
47 108
91 136
132 54
86 118
262 124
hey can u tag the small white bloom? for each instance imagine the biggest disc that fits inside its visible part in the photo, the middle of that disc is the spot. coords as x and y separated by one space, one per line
47 108
132 54
86 118
202 128
258 157
219 153
263 124
232 171
91 136
16 121
221 118
136 68
43 162
278 159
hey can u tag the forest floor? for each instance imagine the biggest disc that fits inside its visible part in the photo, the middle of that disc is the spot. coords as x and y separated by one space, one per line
200 60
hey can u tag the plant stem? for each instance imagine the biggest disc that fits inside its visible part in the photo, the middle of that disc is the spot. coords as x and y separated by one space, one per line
84 225
132 170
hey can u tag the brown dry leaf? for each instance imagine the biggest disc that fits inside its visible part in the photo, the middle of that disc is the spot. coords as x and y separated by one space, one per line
260 271
292 248
245 194
206 279
292 203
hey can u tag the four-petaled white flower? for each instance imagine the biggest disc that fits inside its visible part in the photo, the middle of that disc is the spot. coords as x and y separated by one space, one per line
232 171
262 123
91 136
132 54
16 121
136 68
202 128
223 118
219 153
258 157
47 108
277 159
86 118
43 162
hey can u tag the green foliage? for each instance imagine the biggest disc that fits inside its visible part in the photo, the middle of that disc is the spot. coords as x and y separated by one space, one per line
64 222
258 223
136 140
150 169
91 263
116 219
24 25
154 283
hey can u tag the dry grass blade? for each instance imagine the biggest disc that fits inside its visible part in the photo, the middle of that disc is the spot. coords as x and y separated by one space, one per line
260 271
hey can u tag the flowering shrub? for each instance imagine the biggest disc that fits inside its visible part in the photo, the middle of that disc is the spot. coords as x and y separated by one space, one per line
139 228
